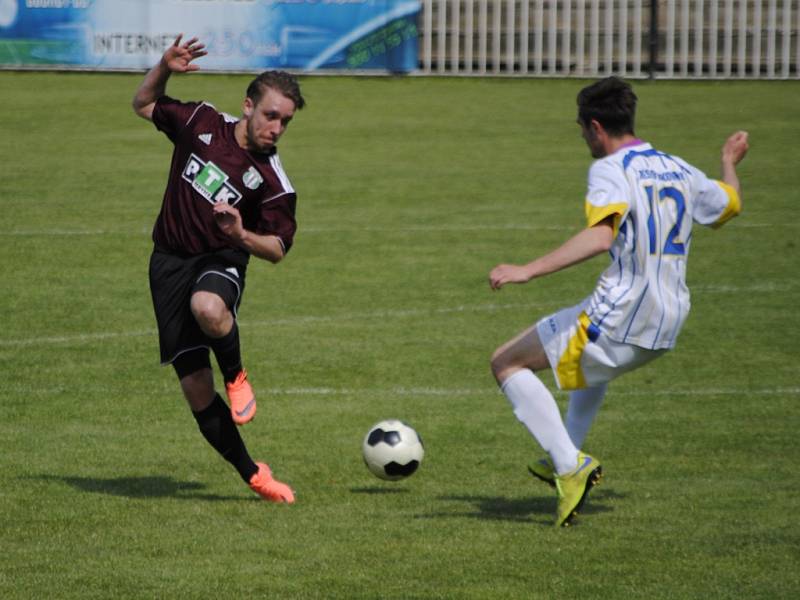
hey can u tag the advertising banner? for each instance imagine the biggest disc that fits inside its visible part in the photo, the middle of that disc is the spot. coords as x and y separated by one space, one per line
245 35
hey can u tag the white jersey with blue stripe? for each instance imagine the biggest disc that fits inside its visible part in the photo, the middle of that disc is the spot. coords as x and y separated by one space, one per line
654 198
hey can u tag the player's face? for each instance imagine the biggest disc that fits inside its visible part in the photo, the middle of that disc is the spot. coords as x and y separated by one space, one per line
267 120
590 135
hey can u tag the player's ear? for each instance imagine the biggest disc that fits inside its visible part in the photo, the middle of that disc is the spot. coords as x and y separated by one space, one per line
247 107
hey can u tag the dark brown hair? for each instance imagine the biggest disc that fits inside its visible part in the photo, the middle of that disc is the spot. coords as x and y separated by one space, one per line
281 81
611 102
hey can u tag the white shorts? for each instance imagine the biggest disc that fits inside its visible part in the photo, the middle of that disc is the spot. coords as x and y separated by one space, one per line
581 355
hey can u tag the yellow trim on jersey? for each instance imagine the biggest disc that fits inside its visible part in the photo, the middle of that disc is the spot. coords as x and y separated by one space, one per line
595 214
734 205
570 376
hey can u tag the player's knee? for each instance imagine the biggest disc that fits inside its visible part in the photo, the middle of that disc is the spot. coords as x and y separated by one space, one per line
498 364
211 314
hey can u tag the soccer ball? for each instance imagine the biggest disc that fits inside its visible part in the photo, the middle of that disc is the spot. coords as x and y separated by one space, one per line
392 450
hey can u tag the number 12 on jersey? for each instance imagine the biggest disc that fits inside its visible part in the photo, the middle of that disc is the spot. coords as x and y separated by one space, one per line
671 244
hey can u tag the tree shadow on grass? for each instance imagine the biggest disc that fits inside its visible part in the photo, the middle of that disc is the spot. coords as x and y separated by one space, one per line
538 510
157 486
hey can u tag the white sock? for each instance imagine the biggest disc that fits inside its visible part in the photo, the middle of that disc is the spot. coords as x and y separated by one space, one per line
536 408
582 409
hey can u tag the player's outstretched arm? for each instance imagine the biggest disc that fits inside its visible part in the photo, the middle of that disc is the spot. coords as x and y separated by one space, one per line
733 151
582 246
176 59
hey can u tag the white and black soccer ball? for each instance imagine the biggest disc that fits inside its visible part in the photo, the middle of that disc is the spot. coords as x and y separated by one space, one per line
392 450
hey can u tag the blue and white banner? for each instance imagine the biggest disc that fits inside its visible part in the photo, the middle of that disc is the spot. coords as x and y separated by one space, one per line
239 34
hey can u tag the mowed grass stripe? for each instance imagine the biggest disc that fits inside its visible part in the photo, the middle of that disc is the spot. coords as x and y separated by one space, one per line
763 286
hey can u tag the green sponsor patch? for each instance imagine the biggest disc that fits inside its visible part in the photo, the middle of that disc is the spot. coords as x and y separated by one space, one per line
209 179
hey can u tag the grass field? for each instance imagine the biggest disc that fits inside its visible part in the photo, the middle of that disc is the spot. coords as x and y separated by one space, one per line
410 191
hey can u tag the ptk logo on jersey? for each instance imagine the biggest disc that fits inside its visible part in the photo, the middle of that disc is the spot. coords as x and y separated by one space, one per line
210 181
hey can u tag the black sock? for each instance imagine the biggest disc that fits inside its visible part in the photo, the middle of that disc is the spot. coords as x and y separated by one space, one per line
217 426
228 353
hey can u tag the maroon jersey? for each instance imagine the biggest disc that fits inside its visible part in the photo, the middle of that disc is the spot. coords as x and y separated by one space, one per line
209 166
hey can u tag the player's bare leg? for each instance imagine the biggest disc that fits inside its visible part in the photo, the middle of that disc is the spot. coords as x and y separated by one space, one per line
198 389
211 314
218 428
513 365
213 416
218 323
525 351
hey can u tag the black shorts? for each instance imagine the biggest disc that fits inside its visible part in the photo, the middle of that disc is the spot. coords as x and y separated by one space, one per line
173 280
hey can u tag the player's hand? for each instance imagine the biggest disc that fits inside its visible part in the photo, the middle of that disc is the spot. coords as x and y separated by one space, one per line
229 220
178 57
735 147
503 274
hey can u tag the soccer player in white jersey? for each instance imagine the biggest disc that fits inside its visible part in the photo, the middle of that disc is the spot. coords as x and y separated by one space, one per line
640 207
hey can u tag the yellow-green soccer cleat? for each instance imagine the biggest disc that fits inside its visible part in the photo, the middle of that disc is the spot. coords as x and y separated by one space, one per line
573 487
543 469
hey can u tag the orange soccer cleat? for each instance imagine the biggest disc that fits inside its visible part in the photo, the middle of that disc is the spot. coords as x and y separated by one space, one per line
242 399
263 484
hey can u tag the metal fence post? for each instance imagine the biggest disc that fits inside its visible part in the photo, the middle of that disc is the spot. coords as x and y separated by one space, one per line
653 67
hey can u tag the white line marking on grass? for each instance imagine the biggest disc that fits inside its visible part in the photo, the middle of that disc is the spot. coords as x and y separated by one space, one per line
327 391
427 392
353 229
441 228
430 392
767 286
312 230
71 232
714 392
297 320
392 313
72 339
377 314
747 224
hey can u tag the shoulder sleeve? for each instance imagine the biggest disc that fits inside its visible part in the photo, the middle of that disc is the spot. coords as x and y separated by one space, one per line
606 196
277 218
715 202
172 116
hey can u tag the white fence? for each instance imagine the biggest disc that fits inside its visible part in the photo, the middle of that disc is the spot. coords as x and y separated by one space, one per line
632 38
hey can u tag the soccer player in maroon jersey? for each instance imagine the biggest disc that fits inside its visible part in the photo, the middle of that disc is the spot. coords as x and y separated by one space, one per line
227 197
